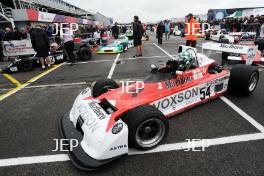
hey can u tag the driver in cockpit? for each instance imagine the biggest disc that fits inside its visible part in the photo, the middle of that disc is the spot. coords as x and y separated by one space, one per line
186 60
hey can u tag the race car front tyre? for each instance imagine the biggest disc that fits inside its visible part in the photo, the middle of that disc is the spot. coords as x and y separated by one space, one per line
102 86
26 65
125 46
147 127
243 80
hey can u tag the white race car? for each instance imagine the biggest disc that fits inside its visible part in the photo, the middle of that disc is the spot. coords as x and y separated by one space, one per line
222 36
245 53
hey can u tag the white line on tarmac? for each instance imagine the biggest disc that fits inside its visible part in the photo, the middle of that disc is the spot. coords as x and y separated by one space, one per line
202 143
56 85
243 114
33 160
96 61
260 65
145 57
122 59
168 54
113 67
161 148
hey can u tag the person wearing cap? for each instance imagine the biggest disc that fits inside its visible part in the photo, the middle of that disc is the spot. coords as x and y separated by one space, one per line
40 43
191 31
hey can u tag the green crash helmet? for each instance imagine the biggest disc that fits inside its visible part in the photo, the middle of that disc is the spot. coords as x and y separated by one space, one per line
186 59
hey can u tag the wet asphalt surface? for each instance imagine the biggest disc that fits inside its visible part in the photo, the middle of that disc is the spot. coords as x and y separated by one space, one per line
29 121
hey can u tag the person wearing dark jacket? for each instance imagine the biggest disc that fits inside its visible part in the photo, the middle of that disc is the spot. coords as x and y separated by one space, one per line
160 31
9 35
40 43
115 31
2 34
17 34
137 36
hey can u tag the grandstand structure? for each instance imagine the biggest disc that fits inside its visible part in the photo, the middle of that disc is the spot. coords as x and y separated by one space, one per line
18 12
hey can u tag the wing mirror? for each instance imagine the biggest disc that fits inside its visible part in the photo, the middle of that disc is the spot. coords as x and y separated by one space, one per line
154 67
179 72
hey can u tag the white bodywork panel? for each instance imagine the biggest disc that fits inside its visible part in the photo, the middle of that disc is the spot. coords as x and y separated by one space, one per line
96 142
181 100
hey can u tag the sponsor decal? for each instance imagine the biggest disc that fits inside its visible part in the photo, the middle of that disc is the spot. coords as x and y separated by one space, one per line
217 81
190 96
118 147
97 110
90 121
173 100
231 46
174 83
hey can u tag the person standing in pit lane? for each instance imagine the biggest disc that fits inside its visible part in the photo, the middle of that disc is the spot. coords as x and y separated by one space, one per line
190 32
115 30
160 31
67 38
137 36
40 43
167 30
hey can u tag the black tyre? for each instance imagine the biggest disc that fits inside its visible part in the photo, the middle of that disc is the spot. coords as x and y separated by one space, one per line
85 53
125 46
147 127
260 43
224 40
26 65
224 58
102 86
207 36
243 80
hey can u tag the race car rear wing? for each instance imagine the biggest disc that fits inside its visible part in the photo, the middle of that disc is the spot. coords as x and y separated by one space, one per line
240 33
228 48
250 51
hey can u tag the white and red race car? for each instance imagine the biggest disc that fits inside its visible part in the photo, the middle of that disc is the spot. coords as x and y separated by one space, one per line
106 120
245 51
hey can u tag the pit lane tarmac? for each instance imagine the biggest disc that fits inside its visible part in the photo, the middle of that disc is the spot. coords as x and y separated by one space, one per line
29 123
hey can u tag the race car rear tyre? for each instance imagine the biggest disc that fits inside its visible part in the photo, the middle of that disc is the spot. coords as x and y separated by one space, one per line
224 58
84 53
147 127
26 65
224 40
243 80
260 43
102 86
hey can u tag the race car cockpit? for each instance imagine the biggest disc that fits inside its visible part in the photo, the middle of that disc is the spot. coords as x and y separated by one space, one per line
183 61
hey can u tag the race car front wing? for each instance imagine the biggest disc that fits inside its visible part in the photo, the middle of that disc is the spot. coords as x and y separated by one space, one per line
78 156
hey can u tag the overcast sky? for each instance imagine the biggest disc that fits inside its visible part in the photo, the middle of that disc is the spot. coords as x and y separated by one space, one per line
153 10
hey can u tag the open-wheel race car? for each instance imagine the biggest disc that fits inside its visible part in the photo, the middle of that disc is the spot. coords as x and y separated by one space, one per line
117 46
107 121
221 36
82 51
244 51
